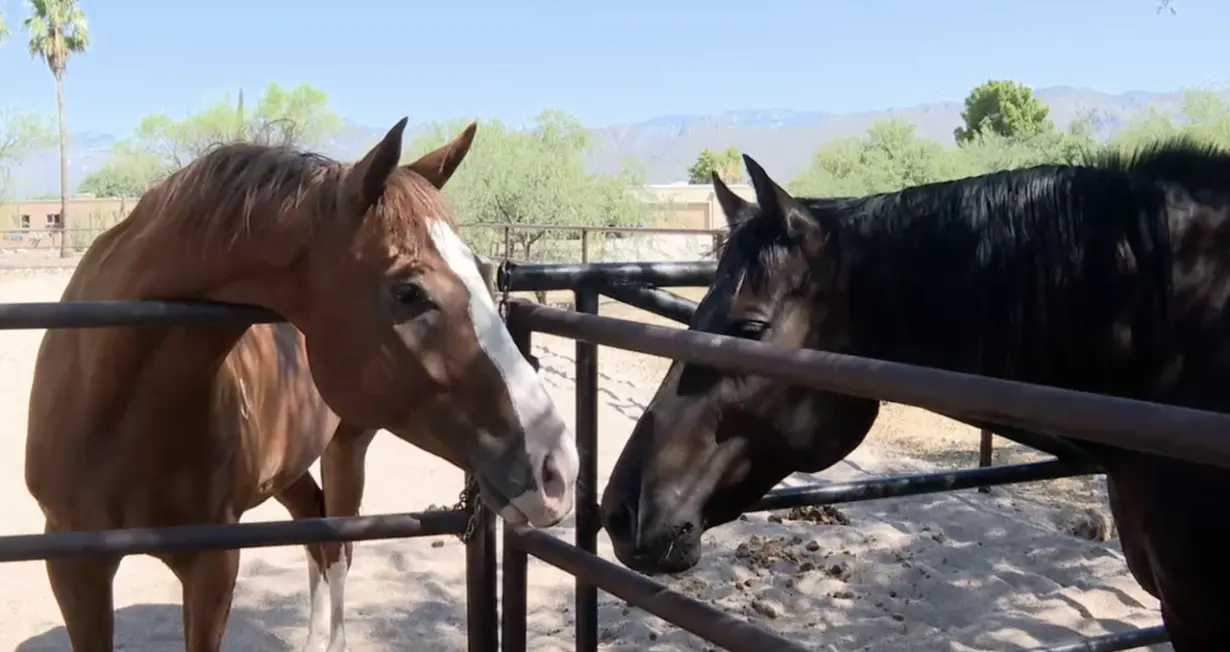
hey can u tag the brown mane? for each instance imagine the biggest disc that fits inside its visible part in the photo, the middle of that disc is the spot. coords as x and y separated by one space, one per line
242 197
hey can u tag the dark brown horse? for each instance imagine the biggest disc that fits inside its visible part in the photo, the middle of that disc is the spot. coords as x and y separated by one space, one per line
390 326
1110 278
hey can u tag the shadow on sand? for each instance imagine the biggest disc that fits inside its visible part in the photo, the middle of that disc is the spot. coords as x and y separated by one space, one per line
263 621
158 627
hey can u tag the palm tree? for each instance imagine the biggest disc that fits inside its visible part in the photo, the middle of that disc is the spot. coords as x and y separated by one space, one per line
4 29
58 30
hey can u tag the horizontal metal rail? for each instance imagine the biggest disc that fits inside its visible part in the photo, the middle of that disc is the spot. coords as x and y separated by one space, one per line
137 541
917 485
1059 447
95 314
695 616
622 230
1184 433
652 300
1132 640
535 277
676 308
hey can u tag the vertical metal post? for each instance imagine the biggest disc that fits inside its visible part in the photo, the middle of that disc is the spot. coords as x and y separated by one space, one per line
508 252
515 571
584 246
482 602
986 447
587 484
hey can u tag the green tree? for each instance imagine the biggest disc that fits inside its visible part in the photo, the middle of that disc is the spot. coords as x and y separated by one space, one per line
533 176
1202 115
58 30
728 164
991 152
298 117
21 133
128 173
889 157
1003 107
4 28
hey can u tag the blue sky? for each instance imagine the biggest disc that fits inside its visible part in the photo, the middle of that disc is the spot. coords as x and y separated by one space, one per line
608 62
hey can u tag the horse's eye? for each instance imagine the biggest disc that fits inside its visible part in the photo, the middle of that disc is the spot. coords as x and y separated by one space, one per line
751 329
410 293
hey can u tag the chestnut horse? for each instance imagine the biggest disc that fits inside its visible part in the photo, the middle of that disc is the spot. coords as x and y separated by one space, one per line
390 325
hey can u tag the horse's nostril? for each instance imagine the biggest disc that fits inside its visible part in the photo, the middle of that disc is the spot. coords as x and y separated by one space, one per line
549 474
618 521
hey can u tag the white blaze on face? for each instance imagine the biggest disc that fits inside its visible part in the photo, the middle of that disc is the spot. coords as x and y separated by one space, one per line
545 432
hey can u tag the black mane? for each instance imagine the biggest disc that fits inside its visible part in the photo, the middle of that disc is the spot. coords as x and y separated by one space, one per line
1197 166
1039 274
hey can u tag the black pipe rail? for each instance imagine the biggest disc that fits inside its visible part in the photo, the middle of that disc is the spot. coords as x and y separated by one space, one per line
534 277
588 520
654 300
1143 637
1155 428
676 308
916 485
98 314
1060 447
266 534
639 591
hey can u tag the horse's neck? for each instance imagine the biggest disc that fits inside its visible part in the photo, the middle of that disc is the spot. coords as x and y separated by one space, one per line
162 360
122 368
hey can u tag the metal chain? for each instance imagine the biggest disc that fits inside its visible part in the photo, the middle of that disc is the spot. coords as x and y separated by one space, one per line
504 296
469 498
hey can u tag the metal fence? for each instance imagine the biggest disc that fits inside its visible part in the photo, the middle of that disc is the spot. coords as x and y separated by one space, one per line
1013 410
482 606
559 244
1018 411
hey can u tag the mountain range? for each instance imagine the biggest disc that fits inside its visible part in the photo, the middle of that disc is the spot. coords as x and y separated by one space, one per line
782 140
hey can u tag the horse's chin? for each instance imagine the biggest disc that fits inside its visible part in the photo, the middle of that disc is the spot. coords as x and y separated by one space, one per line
657 564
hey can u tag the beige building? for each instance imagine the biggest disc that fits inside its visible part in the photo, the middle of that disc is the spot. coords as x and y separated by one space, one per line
688 206
37 224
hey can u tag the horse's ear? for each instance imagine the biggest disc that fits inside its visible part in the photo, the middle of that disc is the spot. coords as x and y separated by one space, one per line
365 182
776 202
437 167
733 206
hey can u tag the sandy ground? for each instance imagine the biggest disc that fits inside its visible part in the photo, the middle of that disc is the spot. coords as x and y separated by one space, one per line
960 571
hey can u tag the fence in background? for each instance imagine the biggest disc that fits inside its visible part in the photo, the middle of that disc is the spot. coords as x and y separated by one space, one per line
540 243
544 243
